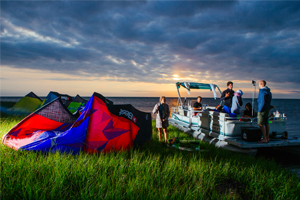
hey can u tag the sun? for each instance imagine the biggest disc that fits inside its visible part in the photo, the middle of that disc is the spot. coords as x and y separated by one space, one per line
176 77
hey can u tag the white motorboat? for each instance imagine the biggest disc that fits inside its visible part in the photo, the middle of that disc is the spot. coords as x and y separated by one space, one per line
222 129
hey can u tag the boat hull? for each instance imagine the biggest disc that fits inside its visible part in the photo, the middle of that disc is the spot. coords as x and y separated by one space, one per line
225 132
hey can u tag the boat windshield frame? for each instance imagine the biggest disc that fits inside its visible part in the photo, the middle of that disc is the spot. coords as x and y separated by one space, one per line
199 86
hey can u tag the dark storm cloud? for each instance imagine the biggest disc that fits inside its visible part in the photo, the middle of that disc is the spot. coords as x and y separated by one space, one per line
141 41
35 51
185 8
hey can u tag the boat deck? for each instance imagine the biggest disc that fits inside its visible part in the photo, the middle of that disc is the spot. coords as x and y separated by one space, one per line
239 142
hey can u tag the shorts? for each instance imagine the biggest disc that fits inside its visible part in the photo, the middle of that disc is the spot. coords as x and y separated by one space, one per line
165 124
263 117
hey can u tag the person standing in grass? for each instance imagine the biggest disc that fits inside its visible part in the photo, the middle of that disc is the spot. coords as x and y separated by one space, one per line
163 113
264 103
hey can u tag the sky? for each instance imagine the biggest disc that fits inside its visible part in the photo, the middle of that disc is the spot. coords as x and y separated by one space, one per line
142 48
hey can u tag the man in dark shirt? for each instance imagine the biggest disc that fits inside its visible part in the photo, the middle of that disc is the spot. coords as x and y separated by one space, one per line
197 105
228 94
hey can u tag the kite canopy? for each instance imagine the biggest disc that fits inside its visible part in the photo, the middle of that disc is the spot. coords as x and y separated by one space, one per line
66 99
201 86
79 99
27 104
101 127
77 104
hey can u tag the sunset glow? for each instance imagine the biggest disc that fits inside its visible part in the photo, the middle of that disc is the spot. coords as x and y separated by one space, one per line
144 48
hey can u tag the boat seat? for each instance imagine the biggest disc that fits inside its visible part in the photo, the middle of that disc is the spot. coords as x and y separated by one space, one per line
180 111
190 111
183 110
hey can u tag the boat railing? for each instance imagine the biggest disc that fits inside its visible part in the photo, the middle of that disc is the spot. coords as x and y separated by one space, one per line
189 112
242 119
278 118
174 109
238 119
248 121
254 119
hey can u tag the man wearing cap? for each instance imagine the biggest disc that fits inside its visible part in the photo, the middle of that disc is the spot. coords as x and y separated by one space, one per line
237 102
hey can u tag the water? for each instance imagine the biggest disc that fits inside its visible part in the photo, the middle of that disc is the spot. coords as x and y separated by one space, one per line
291 108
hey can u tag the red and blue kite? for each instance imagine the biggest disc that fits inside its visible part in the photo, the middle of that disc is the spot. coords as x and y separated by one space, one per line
101 127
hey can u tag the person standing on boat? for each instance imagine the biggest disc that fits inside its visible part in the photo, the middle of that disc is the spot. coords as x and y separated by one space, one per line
264 101
237 102
163 113
227 95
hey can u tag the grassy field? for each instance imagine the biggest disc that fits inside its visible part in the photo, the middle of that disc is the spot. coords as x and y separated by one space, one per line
153 171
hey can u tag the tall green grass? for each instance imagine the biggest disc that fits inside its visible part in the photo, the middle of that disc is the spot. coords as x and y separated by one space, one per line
153 171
